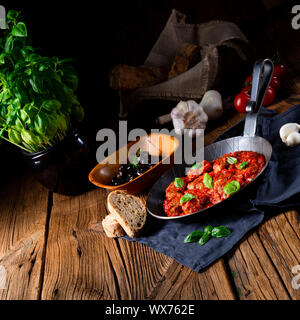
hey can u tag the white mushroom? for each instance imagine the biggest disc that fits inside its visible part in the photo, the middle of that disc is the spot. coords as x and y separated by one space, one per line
288 129
212 104
293 139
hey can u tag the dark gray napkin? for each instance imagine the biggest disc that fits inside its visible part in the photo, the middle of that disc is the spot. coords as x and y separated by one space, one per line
276 190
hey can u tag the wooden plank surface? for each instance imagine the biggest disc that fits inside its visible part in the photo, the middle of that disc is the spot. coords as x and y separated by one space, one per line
23 215
281 240
82 263
77 264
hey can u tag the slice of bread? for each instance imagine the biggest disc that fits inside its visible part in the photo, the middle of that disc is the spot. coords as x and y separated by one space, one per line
112 227
128 210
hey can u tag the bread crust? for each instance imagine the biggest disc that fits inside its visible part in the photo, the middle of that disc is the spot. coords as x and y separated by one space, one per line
112 227
122 221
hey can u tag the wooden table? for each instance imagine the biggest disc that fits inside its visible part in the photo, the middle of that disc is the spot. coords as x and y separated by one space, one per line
53 247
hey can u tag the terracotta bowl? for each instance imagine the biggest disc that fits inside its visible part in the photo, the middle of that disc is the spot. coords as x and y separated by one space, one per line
156 144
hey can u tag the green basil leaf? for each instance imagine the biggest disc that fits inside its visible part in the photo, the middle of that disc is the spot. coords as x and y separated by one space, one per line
135 161
52 125
19 124
196 166
25 116
9 44
41 124
2 58
204 239
178 182
12 15
208 181
78 112
208 229
51 105
220 232
36 83
193 236
70 78
186 197
231 160
28 137
19 30
232 187
14 136
26 50
62 123
243 165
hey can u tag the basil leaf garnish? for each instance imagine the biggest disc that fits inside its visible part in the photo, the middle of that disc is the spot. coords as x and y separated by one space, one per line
232 187
204 239
178 182
196 166
208 181
135 161
193 236
220 232
231 160
208 229
186 197
243 165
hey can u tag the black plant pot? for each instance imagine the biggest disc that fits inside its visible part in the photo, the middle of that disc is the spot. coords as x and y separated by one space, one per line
63 168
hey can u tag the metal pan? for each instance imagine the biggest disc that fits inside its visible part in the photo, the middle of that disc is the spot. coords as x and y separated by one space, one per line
262 73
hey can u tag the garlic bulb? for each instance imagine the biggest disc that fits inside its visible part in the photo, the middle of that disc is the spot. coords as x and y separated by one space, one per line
289 134
212 104
188 115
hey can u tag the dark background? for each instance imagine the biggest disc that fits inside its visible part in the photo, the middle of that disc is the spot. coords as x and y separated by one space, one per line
102 34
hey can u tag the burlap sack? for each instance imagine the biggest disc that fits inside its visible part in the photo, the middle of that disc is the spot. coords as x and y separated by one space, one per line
193 83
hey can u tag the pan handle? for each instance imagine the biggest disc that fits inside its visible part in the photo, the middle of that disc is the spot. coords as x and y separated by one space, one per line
262 74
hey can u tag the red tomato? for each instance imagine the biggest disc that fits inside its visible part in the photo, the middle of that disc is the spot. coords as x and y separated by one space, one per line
246 93
241 101
279 71
247 90
269 97
248 81
275 83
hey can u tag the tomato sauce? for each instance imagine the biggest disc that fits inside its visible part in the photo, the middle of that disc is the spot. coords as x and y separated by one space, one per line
209 183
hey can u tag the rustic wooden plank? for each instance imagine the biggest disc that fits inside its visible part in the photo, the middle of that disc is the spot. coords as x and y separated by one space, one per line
87 265
77 264
152 275
281 240
253 272
211 284
23 215
293 218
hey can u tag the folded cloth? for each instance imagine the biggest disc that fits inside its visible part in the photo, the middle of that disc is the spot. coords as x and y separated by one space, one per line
276 190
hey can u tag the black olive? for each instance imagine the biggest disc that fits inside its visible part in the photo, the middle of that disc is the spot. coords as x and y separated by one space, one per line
119 175
123 168
130 168
130 177
139 172
115 181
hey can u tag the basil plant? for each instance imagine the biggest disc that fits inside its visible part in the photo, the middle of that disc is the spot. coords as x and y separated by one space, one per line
38 104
